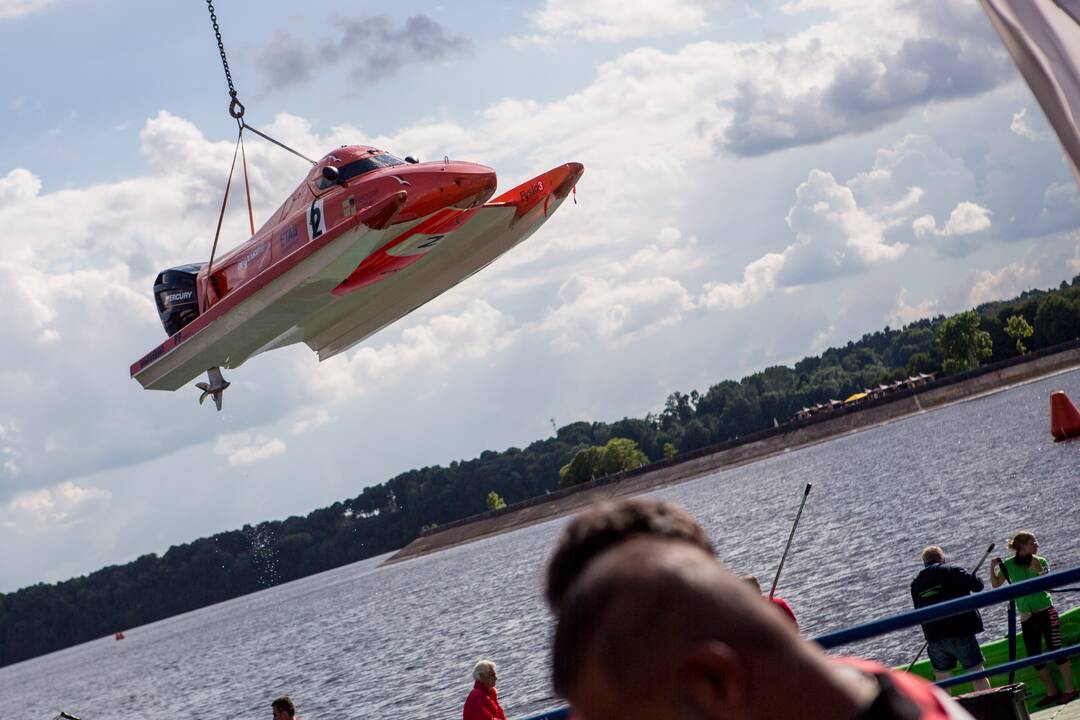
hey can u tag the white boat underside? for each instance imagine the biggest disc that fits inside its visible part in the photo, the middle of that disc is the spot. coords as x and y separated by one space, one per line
489 234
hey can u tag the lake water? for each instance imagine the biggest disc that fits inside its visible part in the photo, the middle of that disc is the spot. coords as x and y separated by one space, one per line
400 641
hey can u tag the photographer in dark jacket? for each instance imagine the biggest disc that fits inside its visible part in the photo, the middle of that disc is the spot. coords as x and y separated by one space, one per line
952 639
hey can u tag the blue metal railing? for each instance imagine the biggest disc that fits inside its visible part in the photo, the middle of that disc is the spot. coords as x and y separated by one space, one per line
556 714
946 609
929 614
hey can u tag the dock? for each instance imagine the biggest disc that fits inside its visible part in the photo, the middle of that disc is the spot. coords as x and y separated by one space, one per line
1059 712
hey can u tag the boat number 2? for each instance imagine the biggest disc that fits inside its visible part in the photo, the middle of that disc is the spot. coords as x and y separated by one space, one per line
430 242
316 220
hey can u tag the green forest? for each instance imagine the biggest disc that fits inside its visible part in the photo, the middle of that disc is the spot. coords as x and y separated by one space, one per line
384 517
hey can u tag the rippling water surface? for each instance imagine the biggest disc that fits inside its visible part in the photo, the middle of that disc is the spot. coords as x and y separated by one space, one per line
399 641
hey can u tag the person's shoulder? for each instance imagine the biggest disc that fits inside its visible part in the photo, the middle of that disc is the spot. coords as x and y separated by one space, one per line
957 570
925 572
930 702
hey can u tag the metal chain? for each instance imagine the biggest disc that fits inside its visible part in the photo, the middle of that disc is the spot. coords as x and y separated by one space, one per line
236 108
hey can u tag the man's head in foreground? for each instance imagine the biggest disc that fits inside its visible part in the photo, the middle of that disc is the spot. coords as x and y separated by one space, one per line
656 628
601 527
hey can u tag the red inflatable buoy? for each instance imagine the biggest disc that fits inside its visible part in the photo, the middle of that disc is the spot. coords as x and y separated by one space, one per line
1064 417
119 635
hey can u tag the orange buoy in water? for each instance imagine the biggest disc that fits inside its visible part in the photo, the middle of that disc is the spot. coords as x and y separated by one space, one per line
1064 417
119 635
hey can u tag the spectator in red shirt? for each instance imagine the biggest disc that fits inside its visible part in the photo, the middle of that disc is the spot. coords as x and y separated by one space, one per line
780 603
483 701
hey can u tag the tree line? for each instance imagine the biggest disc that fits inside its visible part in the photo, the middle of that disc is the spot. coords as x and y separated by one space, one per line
46 617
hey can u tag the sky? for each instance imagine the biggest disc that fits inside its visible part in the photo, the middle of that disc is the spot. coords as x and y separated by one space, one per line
763 180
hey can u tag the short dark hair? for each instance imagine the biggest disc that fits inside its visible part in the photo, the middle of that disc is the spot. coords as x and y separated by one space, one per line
582 613
644 603
607 524
284 704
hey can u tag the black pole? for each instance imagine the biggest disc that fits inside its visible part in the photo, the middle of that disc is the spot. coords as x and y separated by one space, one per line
1012 638
1012 624
791 536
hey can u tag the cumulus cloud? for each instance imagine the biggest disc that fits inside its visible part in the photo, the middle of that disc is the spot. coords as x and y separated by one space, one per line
758 280
1043 265
903 314
10 9
373 48
855 74
311 419
917 166
965 219
833 237
17 186
62 504
423 350
833 232
669 254
988 285
873 219
1061 197
244 448
1021 126
599 310
9 448
610 20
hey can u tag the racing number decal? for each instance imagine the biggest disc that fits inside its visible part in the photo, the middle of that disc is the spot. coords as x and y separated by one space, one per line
415 246
430 242
316 220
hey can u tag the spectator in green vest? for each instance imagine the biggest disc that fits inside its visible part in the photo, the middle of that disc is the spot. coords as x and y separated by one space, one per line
1038 617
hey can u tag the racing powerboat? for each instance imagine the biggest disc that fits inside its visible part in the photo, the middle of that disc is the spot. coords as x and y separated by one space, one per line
365 239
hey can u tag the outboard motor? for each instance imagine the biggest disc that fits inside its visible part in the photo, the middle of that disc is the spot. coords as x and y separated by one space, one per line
176 297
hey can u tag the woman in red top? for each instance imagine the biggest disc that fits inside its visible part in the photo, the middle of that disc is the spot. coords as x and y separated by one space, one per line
483 701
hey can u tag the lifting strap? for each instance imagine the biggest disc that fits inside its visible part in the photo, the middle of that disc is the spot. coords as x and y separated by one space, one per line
247 184
236 111
221 217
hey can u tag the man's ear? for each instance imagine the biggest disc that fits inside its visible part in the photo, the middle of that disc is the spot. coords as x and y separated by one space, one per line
712 681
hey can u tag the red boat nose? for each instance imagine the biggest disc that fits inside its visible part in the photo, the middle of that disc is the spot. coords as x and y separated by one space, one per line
434 186
476 186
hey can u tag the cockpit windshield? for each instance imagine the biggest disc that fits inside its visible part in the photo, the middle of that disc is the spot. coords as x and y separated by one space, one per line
361 166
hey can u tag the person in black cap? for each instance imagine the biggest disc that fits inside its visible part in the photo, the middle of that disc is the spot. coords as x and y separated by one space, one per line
950 640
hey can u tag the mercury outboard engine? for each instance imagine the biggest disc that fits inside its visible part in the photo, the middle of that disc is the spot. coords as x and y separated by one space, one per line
176 298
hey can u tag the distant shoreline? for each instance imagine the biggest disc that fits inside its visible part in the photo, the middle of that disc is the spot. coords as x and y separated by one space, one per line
758 446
